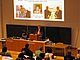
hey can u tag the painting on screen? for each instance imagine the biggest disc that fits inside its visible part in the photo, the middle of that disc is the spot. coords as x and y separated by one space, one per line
47 10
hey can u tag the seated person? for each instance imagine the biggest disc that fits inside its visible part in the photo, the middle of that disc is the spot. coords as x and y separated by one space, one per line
69 56
49 55
26 50
30 56
37 52
20 56
4 52
41 56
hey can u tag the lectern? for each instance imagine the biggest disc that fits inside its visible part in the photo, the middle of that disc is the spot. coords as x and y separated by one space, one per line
35 37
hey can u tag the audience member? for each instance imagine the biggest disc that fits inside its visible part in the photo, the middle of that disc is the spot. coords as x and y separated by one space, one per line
37 52
49 55
69 56
20 56
30 56
41 56
26 50
4 52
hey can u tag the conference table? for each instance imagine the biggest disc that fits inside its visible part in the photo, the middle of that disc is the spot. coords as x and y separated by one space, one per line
18 44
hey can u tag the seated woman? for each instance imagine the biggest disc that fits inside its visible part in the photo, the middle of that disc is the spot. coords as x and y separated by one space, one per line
4 52
37 52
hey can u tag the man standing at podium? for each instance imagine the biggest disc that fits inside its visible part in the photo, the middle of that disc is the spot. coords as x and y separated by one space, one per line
39 35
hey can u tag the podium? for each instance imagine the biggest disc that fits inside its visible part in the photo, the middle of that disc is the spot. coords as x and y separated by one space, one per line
35 37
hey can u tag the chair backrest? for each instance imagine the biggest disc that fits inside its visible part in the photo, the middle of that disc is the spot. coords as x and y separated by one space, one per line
6 58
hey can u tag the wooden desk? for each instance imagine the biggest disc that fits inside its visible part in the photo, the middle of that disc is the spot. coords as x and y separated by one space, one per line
58 49
18 44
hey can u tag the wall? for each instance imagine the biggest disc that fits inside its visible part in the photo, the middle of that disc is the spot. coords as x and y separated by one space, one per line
0 21
71 18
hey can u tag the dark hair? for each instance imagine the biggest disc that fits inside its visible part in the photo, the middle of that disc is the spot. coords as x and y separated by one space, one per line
21 55
69 53
41 48
42 55
49 50
4 49
27 45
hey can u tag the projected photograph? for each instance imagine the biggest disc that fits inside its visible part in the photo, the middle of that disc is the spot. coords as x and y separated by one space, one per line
37 8
21 12
47 10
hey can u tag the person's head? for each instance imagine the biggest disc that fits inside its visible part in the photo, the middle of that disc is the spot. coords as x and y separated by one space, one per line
41 48
46 7
21 55
42 55
4 49
57 7
37 7
21 6
49 50
38 26
27 46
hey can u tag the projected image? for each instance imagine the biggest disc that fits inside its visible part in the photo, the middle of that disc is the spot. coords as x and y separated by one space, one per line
58 13
21 12
37 8
47 13
47 10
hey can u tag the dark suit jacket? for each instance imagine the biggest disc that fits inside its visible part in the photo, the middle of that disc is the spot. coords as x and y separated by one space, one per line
27 51
47 13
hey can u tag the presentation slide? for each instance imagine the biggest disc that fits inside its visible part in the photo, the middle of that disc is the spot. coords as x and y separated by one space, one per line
45 10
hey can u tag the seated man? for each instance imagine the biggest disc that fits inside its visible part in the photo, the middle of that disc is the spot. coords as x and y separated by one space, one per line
4 52
20 56
26 50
